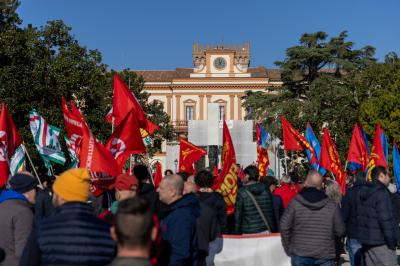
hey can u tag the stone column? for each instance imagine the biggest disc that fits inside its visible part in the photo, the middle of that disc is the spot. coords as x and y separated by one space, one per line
178 107
232 106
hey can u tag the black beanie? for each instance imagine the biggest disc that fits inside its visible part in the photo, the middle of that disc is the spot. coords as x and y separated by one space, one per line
22 182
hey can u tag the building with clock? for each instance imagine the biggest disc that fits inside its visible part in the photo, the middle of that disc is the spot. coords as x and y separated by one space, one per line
220 74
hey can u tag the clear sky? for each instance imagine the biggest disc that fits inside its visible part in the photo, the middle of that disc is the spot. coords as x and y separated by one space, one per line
159 34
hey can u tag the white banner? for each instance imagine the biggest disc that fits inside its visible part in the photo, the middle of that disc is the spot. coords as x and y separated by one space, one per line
248 250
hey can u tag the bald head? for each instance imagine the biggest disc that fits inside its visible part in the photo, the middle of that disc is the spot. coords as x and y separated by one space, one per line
314 179
171 188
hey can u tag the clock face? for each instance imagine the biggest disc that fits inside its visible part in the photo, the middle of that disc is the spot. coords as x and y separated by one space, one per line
219 63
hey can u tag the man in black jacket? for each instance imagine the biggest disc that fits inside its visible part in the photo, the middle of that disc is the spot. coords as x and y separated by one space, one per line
349 212
376 222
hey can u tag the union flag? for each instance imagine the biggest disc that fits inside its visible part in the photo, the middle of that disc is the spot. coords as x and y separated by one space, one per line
188 155
330 160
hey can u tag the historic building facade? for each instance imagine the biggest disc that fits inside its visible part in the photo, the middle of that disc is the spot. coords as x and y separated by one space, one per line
220 74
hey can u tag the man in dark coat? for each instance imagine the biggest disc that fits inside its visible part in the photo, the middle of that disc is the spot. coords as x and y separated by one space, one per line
208 227
377 228
16 216
248 219
204 180
310 224
178 226
134 230
72 235
271 184
349 212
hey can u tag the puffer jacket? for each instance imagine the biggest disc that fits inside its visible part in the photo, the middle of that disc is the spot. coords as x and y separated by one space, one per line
375 216
247 218
310 224
72 235
16 221
179 232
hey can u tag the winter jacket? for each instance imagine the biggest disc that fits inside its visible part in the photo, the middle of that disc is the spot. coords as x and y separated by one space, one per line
130 261
179 235
395 197
16 220
247 218
310 224
287 192
71 236
375 217
278 208
43 206
349 209
208 229
216 201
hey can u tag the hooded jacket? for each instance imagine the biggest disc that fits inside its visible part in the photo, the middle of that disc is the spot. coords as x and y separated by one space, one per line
16 220
215 201
349 209
247 217
310 224
178 230
375 216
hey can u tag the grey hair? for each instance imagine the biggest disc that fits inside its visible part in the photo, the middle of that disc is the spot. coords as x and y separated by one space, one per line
332 190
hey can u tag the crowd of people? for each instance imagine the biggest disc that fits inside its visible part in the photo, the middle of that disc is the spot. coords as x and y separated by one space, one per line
62 223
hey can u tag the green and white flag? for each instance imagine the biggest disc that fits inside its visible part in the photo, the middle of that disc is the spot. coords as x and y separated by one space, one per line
46 140
17 160
72 153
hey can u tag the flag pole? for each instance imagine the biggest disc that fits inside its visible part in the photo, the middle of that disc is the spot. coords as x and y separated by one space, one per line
33 167
345 166
286 170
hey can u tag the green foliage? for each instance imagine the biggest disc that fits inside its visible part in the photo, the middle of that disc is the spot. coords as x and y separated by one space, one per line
320 87
40 65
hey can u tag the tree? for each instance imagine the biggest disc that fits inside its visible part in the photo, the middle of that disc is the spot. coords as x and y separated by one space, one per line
40 65
318 77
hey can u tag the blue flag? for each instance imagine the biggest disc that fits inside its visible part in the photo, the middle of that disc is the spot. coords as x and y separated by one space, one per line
264 137
385 147
396 166
312 139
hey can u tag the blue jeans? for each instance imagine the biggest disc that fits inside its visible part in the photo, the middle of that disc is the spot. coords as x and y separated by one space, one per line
355 252
305 261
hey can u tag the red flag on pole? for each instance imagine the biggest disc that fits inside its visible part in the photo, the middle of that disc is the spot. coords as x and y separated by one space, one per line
330 160
262 153
378 157
358 152
73 121
157 175
293 140
226 183
123 102
9 142
126 140
188 155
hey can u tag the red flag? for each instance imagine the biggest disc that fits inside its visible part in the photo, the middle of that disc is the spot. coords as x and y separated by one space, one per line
378 157
262 154
215 170
293 140
126 140
157 175
73 121
358 152
123 102
226 183
9 142
188 155
330 160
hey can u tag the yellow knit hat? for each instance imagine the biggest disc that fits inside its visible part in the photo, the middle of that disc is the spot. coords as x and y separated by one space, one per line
73 185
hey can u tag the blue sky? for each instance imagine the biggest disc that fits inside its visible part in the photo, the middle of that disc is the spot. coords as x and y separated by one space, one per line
160 34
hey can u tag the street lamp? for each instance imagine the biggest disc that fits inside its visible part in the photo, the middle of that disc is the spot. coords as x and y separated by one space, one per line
176 165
